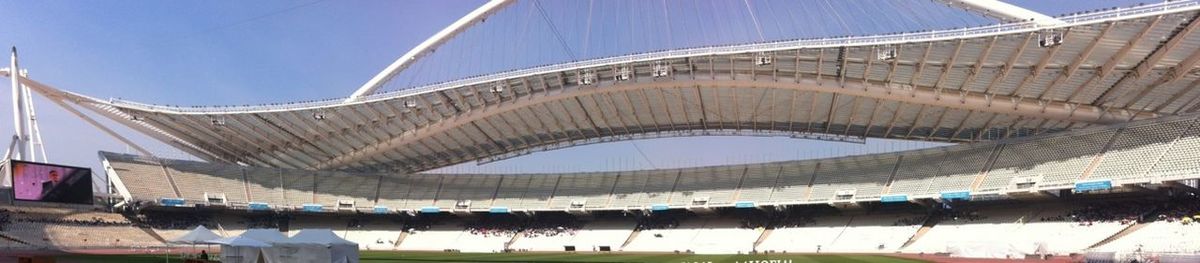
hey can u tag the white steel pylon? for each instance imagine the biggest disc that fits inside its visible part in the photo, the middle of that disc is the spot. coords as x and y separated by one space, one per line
27 137
36 146
19 150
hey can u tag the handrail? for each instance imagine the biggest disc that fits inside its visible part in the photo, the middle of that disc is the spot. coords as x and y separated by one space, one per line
932 35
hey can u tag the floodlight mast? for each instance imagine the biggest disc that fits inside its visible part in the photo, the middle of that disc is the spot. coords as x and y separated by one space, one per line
428 46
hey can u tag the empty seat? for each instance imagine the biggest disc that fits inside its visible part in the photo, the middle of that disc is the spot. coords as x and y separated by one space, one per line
265 184
298 186
424 191
1137 145
197 178
1056 160
392 191
359 188
715 185
1181 159
537 195
758 182
592 189
864 175
476 188
143 177
793 182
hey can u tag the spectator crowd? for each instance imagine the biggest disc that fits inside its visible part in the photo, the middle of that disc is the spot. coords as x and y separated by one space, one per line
507 226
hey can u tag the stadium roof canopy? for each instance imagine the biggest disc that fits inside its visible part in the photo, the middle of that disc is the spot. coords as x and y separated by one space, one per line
962 85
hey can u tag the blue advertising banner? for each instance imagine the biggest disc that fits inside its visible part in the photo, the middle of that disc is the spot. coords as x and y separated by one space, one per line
893 199
659 207
498 210
380 210
431 210
312 208
258 206
171 201
1093 186
956 195
744 204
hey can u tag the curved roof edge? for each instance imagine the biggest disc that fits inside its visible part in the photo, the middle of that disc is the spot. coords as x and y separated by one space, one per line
898 38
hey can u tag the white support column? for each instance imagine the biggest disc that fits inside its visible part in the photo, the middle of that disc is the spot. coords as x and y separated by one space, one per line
429 46
36 144
1004 11
20 150
6 181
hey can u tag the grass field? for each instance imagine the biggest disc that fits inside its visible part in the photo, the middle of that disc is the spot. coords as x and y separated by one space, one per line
374 257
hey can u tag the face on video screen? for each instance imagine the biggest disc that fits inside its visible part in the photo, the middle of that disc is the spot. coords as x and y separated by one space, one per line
51 183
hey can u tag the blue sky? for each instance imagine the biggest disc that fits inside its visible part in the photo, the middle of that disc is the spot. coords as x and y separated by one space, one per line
247 52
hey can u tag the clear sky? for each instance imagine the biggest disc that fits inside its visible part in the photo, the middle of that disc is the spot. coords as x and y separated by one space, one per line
247 52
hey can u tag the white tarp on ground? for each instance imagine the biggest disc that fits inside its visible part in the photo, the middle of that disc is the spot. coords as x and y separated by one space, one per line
273 237
240 249
322 245
199 235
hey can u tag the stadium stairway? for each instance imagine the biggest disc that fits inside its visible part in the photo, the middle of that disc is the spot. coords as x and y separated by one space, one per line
170 180
517 236
13 239
762 237
930 222
400 239
221 229
630 239
1124 232
840 233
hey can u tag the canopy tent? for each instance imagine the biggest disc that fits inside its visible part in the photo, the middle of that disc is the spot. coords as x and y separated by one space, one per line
265 235
273 237
240 249
199 235
322 245
308 245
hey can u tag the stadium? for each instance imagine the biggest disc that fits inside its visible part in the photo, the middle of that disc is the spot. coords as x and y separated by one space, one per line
1069 138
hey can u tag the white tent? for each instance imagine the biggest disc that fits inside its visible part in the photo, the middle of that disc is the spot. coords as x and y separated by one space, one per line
322 245
275 253
241 249
199 235
265 235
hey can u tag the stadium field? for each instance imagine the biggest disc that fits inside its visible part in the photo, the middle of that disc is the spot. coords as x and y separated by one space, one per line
379 257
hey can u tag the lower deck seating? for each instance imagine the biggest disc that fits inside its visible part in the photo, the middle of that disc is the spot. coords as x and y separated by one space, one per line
724 236
437 238
809 238
375 236
977 228
71 228
451 235
1013 232
678 238
591 236
873 234
1160 236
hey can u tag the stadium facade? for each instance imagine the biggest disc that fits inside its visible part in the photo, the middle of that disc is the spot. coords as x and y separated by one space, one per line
1053 119
963 85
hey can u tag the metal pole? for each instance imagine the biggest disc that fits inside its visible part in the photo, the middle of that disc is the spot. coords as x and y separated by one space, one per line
19 119
35 133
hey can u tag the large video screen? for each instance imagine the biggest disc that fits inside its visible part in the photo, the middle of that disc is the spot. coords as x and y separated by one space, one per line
51 183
